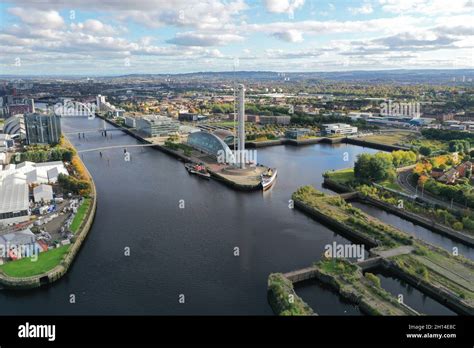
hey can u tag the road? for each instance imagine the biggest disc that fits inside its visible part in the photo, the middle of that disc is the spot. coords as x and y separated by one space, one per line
403 179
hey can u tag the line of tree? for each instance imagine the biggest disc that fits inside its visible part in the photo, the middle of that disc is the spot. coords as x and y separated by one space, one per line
381 166
74 185
447 135
41 155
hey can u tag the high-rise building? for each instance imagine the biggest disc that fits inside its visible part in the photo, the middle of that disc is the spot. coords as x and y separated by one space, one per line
42 128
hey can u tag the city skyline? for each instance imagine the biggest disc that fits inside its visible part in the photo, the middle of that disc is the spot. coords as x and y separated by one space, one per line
112 38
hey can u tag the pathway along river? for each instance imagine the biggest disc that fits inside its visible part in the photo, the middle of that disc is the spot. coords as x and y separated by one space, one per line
186 251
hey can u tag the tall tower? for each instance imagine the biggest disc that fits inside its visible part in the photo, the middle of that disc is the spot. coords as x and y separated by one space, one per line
241 126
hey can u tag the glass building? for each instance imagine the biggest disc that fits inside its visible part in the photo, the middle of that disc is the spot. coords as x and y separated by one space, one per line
208 143
42 128
156 125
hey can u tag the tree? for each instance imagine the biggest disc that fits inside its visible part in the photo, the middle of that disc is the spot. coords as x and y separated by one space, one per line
425 151
402 158
376 167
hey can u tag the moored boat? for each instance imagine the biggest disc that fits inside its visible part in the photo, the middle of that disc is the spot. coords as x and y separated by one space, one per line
197 169
268 178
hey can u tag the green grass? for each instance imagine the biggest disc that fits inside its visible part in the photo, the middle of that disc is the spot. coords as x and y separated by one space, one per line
223 123
391 184
342 176
390 138
26 267
80 215
434 145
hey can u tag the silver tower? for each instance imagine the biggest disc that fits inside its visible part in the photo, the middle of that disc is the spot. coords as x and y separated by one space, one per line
241 126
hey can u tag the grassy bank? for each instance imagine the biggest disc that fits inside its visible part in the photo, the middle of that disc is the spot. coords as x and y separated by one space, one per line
347 178
80 215
447 273
26 267
342 176
338 209
283 299
363 290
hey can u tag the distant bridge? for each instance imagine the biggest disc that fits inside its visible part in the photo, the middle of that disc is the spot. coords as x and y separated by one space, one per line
97 130
116 147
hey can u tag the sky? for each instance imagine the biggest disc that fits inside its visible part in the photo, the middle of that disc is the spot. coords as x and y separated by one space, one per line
112 37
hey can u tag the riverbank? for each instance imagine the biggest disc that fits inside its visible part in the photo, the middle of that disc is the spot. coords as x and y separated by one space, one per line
352 284
430 269
283 298
418 219
65 259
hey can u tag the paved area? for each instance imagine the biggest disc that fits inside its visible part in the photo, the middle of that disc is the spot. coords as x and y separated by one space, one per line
405 249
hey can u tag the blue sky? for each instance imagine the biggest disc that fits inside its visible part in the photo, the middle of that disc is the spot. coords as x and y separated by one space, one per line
109 37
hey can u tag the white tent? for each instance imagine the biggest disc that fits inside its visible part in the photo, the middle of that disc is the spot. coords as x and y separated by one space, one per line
43 193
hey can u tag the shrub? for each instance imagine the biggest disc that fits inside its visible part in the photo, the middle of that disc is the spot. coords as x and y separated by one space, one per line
373 279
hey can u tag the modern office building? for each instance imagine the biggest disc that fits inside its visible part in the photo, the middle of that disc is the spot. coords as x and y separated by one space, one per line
130 121
189 117
338 128
42 128
296 133
274 120
157 126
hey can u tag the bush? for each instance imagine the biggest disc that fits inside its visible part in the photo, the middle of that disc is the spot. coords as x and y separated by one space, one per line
373 279
376 167
458 226
425 151
76 186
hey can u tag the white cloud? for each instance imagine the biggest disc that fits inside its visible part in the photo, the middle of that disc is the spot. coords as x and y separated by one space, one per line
40 19
289 35
363 9
155 13
94 26
204 39
283 6
427 7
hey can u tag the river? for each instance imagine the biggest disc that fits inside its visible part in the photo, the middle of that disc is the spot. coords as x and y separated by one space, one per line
186 251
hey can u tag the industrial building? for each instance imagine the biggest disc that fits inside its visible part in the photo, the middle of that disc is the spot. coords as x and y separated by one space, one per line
14 187
14 203
43 193
21 241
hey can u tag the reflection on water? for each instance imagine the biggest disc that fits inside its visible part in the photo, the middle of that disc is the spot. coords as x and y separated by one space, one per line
416 230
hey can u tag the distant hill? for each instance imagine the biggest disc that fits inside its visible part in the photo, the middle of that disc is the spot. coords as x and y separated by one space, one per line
378 76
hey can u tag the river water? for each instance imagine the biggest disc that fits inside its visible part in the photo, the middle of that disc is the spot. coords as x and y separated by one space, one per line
188 251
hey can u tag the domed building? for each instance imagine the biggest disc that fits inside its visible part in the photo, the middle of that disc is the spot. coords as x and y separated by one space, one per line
15 125
213 144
